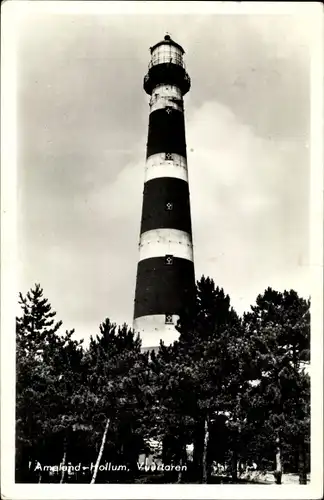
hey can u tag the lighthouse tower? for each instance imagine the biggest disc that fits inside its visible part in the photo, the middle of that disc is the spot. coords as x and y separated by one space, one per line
165 283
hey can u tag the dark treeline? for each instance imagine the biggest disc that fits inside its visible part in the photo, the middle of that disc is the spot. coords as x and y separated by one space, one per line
233 390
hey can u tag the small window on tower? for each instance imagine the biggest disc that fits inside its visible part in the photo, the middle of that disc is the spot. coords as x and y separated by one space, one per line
169 260
168 319
168 156
169 206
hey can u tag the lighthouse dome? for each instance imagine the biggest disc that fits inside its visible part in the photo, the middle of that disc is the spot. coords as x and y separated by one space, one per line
167 41
167 51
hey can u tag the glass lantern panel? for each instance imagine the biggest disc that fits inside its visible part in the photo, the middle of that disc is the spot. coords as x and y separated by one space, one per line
165 54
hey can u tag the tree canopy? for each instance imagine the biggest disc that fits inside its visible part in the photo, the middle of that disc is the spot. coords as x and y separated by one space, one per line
233 389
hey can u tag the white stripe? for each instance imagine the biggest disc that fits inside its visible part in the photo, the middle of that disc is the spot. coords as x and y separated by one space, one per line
164 90
153 328
164 102
157 166
161 242
166 96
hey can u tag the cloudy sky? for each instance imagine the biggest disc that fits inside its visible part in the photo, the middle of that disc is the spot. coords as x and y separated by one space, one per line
82 127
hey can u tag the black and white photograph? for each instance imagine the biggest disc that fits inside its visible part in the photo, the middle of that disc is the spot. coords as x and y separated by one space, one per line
162 222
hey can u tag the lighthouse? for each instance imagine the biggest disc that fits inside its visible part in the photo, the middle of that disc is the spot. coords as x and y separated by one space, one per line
165 282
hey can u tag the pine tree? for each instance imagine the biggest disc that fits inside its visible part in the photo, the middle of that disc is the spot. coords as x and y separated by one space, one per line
37 326
115 391
33 328
203 373
47 367
278 331
64 360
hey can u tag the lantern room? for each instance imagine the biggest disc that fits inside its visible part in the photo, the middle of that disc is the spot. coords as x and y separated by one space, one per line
167 67
167 51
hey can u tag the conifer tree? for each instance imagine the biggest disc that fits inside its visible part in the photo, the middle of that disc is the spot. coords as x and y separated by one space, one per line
206 370
115 390
47 368
278 328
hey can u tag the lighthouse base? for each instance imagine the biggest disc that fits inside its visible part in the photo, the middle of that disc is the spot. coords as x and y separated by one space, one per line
153 328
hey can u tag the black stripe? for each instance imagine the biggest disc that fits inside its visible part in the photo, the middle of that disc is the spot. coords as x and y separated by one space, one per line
162 289
166 132
157 194
172 74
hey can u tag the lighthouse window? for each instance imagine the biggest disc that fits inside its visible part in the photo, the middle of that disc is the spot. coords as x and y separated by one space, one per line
169 260
169 206
168 156
168 319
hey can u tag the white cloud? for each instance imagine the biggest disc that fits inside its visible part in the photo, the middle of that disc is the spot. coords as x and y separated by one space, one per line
240 185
